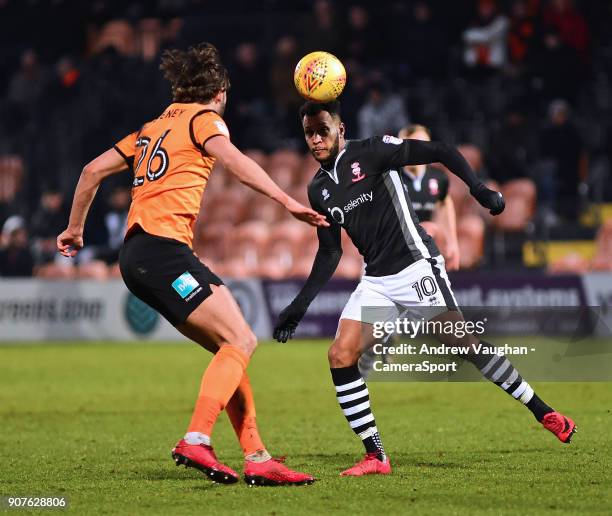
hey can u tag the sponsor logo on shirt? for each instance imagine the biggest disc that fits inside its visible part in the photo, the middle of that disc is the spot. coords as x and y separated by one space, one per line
338 213
325 194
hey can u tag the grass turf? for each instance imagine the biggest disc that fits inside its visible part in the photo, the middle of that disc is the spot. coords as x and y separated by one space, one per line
96 422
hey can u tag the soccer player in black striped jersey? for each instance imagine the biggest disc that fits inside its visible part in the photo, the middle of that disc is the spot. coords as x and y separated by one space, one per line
428 191
359 188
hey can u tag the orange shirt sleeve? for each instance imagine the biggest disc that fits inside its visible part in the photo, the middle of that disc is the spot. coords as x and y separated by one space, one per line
127 148
206 125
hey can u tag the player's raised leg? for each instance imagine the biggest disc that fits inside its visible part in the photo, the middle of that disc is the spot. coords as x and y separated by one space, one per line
354 398
225 385
499 370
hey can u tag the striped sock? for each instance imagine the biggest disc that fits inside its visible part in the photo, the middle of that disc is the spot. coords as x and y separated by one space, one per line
499 370
354 399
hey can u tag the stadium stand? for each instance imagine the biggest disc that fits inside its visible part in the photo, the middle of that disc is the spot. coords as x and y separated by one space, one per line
522 86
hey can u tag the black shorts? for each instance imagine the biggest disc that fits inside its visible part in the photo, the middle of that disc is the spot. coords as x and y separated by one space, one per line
165 274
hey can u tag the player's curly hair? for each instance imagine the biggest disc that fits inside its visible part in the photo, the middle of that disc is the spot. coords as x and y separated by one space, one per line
196 74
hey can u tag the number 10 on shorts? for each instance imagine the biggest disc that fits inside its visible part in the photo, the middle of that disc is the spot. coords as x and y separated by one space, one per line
426 287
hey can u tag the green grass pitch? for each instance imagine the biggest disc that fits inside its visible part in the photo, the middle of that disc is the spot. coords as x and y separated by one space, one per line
96 422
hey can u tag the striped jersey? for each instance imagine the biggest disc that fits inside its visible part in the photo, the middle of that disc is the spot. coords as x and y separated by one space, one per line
365 193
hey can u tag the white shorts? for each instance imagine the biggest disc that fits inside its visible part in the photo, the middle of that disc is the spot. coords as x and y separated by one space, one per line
424 286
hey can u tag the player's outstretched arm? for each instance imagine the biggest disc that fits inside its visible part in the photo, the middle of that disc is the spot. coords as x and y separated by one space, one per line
423 152
251 174
110 162
325 263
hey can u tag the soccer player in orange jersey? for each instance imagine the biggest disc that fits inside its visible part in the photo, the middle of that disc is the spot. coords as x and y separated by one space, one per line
171 158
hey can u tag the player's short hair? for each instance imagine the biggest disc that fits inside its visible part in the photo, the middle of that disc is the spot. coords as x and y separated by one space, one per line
409 130
196 74
310 108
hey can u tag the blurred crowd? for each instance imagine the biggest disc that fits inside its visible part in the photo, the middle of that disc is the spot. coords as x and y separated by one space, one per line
521 86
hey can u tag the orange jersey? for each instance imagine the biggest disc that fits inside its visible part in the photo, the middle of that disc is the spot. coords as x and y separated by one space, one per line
171 169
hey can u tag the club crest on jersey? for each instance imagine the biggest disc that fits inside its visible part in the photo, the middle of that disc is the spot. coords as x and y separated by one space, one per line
434 187
325 194
357 172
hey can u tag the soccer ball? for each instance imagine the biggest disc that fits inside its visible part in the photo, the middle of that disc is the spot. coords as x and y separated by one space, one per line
319 76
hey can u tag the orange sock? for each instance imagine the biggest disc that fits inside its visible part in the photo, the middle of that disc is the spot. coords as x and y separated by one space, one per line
219 383
241 411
